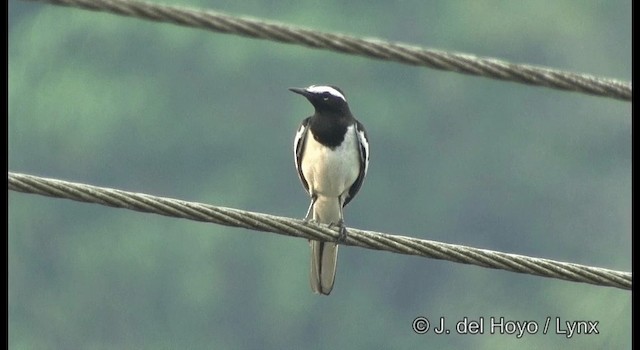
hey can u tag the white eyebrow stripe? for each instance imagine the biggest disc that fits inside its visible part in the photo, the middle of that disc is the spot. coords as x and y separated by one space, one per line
324 88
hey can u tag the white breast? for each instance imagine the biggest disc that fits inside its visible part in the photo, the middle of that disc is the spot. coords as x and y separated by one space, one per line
331 172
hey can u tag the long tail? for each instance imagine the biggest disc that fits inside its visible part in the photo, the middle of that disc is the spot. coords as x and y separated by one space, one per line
324 256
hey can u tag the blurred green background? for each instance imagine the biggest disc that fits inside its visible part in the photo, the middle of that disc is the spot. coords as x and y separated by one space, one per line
178 112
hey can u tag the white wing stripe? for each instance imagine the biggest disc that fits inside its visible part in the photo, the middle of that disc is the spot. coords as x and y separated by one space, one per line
296 143
365 145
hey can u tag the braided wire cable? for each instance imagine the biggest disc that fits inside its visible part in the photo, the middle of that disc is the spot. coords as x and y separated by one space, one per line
299 228
372 48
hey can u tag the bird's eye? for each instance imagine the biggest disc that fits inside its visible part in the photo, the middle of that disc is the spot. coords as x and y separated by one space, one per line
325 96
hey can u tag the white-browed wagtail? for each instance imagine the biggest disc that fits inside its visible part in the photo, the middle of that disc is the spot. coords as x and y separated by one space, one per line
332 156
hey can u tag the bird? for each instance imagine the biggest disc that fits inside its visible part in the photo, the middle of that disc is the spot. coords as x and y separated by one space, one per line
331 151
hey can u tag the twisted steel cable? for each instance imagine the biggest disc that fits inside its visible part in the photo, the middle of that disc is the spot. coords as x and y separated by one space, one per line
298 228
373 48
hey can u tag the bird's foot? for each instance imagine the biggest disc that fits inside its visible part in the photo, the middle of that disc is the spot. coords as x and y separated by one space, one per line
310 220
342 234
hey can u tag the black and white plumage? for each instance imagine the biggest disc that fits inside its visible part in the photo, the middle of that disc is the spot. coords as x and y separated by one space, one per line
332 157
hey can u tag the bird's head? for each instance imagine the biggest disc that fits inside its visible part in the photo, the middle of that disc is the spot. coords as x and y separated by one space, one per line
324 98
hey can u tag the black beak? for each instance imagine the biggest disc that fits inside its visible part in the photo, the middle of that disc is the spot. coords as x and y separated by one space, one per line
301 91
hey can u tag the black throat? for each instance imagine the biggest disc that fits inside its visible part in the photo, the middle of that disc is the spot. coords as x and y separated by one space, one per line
330 129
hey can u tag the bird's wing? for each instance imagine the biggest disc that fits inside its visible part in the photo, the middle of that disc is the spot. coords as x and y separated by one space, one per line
298 149
363 145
